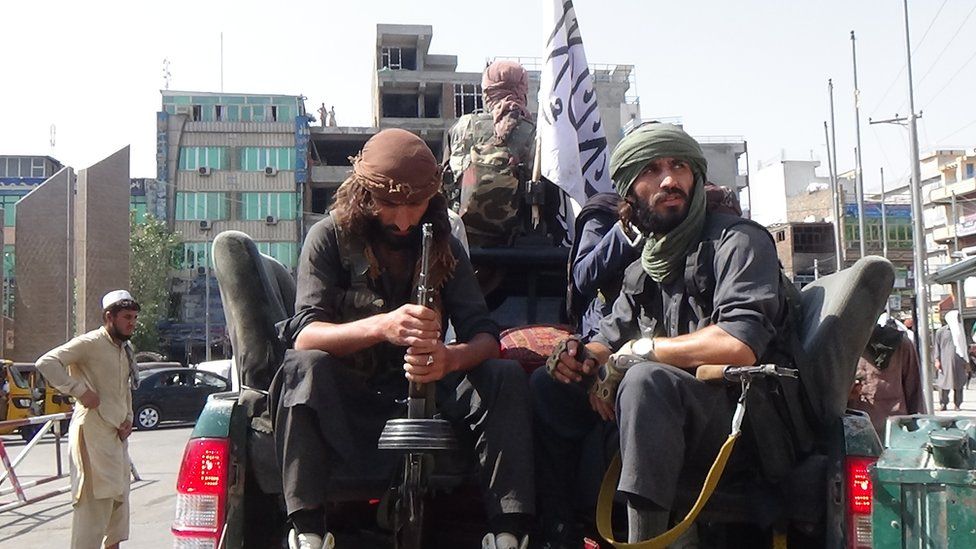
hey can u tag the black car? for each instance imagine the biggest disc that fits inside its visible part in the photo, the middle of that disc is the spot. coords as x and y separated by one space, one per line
173 394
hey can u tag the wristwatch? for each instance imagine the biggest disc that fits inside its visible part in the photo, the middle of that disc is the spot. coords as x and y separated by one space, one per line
644 348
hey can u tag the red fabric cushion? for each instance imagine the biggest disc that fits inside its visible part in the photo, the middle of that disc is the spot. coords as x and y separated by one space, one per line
531 345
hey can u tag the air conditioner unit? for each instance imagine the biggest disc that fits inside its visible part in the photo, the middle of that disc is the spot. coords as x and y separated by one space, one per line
270 170
271 220
206 225
201 271
205 170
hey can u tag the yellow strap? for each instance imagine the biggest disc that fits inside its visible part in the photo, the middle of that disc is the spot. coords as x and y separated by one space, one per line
604 503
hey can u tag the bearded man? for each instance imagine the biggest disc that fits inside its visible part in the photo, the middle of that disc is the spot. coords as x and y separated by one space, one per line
705 290
98 369
358 340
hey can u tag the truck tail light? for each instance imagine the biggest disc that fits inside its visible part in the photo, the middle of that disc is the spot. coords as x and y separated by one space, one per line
859 494
201 493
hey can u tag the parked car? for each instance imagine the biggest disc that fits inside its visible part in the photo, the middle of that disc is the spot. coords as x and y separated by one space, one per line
173 394
222 367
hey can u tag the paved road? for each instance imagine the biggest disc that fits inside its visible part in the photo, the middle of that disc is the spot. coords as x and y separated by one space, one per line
157 456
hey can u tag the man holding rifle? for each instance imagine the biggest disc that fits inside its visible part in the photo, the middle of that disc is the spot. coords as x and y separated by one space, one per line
358 339
706 289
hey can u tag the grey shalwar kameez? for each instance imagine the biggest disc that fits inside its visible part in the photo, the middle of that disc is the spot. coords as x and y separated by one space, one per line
671 425
330 410
953 375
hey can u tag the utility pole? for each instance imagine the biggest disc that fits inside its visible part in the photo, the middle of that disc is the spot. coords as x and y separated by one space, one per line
839 214
858 174
918 234
884 219
955 246
833 199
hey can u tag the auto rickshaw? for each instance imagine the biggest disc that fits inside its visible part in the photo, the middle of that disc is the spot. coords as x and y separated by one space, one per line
21 400
55 402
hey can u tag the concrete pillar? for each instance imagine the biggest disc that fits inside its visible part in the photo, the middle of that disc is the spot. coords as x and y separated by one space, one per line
101 236
45 268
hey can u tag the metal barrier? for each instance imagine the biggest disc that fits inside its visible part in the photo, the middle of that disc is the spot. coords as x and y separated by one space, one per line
51 422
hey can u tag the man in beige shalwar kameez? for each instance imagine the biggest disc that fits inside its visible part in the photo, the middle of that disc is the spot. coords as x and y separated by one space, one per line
97 369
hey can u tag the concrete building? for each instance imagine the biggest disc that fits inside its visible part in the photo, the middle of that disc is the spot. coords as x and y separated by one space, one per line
424 92
810 219
226 162
949 197
778 180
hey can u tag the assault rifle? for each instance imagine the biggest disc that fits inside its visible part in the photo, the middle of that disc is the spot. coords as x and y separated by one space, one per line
418 435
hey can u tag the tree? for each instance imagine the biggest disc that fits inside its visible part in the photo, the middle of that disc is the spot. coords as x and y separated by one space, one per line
152 255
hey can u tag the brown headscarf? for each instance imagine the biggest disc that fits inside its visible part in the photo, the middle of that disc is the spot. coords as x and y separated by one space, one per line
505 86
397 166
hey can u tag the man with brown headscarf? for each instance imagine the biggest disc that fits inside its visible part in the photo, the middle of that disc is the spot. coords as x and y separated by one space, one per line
357 339
490 157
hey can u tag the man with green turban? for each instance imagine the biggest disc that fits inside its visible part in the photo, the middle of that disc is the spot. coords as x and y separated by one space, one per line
705 290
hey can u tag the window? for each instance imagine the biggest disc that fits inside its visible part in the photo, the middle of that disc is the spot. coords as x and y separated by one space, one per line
467 99
401 105
204 379
192 158
138 205
258 206
395 58
195 255
256 159
780 236
9 204
37 167
199 206
285 252
197 113
970 170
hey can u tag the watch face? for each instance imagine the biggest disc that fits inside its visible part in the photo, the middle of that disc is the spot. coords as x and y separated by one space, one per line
643 346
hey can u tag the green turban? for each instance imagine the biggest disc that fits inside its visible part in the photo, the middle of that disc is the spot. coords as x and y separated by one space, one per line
650 142
663 256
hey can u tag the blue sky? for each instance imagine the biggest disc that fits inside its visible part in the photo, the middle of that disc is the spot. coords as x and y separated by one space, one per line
756 68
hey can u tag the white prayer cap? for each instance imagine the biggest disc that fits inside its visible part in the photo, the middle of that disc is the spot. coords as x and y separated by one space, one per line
114 297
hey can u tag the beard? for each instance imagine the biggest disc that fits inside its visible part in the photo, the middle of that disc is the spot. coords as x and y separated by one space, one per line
649 220
387 235
117 334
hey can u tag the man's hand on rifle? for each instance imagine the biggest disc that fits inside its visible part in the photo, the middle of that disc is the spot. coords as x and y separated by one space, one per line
427 361
411 324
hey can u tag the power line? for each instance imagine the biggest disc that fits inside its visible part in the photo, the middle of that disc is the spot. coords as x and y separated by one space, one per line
949 43
904 65
957 73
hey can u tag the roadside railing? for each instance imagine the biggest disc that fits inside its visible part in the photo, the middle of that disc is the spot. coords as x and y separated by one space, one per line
50 423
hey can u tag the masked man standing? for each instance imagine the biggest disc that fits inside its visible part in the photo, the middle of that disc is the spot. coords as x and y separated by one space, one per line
705 290
98 369
358 339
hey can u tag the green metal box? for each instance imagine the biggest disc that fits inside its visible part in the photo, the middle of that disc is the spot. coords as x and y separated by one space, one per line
925 484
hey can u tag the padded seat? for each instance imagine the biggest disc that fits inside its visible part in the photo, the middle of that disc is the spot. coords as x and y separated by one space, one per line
838 312
258 292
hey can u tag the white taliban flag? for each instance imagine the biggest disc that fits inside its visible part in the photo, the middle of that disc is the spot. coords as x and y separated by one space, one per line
573 149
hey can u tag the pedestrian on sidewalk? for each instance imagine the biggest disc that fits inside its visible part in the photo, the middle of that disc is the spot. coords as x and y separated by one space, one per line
98 369
887 382
951 359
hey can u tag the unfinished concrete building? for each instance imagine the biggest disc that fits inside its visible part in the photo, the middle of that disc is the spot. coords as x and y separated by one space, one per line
424 92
